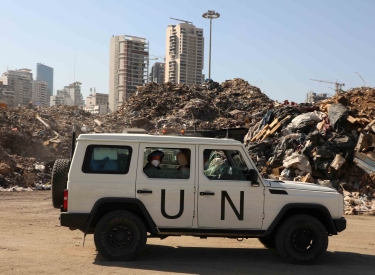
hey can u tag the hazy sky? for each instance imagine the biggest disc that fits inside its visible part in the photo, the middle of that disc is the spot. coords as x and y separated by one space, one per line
279 45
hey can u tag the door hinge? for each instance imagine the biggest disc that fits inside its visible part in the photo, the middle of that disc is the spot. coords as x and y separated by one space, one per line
193 213
194 190
264 215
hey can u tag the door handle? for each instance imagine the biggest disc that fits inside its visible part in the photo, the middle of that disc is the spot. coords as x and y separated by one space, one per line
144 191
206 193
255 184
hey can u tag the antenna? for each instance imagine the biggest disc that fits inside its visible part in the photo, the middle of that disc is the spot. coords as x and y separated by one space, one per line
187 22
74 77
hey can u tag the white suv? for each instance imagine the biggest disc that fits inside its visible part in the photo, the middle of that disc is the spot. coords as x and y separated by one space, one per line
203 187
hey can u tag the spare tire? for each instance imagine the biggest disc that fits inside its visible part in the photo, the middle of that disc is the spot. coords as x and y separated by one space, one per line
59 181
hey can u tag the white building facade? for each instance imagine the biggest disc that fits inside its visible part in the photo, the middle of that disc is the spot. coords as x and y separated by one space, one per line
127 68
184 54
20 82
40 93
71 95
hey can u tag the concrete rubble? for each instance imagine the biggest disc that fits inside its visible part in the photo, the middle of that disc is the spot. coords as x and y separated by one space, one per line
212 106
32 138
331 143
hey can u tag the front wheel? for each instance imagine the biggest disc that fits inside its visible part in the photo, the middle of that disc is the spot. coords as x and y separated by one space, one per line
120 236
301 239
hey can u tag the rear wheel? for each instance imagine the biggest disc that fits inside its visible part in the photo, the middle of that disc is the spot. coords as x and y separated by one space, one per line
120 236
301 239
59 181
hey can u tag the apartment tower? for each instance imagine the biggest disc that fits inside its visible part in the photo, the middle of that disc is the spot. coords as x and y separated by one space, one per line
19 81
40 95
45 73
127 68
184 54
157 73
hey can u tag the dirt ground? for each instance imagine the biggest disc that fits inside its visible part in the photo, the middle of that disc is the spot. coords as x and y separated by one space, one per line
32 242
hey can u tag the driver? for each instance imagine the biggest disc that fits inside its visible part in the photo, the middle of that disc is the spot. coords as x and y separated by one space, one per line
152 168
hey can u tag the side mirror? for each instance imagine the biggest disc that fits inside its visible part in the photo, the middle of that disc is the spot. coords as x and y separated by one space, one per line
252 176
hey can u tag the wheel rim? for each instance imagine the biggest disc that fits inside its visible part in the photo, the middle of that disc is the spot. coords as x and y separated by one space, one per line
120 236
303 240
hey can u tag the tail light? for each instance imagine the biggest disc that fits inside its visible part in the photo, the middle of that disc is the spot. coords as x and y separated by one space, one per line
182 132
65 206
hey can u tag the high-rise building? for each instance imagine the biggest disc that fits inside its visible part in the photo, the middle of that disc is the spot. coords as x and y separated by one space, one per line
184 54
71 95
45 73
19 81
157 73
127 68
40 95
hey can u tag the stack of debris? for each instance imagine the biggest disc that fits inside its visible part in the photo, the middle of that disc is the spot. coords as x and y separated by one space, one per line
211 106
327 144
35 137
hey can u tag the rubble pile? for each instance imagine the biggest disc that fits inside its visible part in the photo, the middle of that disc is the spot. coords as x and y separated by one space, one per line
32 138
331 144
211 106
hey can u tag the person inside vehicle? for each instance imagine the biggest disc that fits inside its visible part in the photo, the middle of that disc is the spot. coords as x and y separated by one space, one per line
152 168
183 167
206 156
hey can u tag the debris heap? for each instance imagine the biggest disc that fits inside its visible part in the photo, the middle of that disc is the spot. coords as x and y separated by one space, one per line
330 144
211 106
35 137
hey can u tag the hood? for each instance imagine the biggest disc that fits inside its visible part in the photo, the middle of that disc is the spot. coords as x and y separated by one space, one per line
298 185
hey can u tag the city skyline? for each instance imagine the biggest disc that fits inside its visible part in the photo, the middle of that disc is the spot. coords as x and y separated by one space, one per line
278 46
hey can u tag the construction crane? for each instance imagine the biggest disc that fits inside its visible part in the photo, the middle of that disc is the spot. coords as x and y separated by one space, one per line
187 22
338 85
156 56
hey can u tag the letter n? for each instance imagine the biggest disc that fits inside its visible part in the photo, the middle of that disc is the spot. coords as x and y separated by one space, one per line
224 195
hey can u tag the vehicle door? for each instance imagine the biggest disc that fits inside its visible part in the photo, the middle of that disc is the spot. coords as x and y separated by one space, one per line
168 192
226 199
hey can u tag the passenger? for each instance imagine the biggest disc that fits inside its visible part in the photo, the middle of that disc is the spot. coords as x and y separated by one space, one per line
206 157
152 168
184 166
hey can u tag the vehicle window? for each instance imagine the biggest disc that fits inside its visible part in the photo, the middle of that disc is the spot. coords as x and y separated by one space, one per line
103 159
170 163
224 165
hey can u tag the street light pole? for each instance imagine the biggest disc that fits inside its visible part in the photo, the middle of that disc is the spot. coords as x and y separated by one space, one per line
210 15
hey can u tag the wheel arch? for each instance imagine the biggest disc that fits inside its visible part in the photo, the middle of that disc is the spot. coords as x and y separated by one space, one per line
318 211
106 205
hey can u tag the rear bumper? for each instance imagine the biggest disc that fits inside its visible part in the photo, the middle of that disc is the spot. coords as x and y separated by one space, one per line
74 220
340 224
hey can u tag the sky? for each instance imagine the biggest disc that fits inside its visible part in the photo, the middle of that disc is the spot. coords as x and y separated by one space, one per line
276 45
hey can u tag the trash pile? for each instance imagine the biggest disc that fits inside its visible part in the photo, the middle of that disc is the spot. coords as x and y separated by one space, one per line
330 144
232 104
33 137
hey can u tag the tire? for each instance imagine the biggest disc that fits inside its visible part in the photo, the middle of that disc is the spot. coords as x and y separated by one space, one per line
130 240
301 239
268 242
59 181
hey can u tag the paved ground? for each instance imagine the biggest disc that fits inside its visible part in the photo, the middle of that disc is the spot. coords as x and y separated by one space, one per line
32 242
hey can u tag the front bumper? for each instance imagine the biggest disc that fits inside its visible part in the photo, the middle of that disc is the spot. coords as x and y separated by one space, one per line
74 220
340 224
